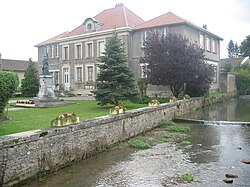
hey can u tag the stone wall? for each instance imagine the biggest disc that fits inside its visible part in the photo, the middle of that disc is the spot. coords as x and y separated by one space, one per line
24 155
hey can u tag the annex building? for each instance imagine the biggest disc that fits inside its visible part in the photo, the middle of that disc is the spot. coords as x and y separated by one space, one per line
73 55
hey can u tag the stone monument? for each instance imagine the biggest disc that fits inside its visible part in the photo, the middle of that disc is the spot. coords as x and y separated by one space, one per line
46 93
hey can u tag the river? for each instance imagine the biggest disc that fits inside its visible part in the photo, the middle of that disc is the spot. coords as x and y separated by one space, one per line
217 149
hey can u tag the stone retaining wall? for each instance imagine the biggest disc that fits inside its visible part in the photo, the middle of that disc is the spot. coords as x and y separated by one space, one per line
24 155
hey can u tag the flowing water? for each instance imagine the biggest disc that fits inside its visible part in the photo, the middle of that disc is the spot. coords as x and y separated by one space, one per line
217 149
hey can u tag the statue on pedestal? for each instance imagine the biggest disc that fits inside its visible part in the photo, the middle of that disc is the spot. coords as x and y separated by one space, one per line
45 69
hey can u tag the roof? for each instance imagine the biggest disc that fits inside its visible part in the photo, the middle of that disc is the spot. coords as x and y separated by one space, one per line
165 19
15 65
52 40
117 17
233 61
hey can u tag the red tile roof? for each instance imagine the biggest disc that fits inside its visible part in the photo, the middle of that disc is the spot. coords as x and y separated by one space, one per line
52 40
117 17
165 19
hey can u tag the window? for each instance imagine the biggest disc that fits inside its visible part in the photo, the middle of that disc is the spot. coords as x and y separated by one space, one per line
208 44
202 41
144 70
78 51
66 75
144 37
213 46
78 73
101 48
56 50
51 51
89 52
56 77
65 52
90 73
165 31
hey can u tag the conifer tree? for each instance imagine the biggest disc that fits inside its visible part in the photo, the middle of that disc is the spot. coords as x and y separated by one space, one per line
30 83
115 81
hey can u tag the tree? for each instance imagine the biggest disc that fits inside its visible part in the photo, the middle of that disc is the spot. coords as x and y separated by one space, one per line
245 47
230 49
30 83
174 61
115 80
8 84
236 50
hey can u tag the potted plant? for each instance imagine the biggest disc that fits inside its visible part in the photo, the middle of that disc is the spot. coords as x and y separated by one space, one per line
118 109
154 102
65 119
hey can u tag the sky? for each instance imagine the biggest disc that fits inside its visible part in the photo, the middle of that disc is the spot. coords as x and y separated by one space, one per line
25 23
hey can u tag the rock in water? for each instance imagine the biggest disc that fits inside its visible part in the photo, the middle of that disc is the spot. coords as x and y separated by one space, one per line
246 161
228 180
231 176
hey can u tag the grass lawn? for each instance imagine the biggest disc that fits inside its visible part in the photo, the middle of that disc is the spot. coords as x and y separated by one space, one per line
36 118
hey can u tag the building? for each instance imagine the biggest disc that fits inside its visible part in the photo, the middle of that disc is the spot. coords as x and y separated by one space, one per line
17 66
73 55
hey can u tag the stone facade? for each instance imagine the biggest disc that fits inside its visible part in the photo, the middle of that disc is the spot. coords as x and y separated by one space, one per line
24 155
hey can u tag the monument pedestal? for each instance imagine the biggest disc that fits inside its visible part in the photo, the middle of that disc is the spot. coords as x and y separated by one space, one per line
46 93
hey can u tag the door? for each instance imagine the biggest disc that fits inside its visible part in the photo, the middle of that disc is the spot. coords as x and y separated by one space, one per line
66 79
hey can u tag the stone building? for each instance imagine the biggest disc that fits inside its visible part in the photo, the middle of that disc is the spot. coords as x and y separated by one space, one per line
17 66
73 55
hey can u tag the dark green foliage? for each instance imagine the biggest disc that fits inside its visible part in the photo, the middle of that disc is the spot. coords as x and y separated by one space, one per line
233 49
245 47
115 81
8 85
187 177
243 81
30 83
138 144
174 61
142 85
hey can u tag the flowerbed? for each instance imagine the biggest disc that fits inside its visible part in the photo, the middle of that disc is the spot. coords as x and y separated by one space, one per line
29 103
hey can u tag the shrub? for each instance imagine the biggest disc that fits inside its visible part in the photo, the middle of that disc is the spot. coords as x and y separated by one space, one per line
185 143
243 81
138 144
187 177
8 85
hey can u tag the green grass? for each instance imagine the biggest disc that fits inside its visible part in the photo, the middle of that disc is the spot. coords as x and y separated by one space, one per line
138 144
167 123
185 143
177 129
187 177
214 94
36 118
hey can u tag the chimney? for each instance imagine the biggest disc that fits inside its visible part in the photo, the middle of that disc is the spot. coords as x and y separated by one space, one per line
204 26
119 4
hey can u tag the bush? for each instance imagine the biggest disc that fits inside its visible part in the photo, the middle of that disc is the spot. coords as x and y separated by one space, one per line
139 144
8 85
243 81
187 177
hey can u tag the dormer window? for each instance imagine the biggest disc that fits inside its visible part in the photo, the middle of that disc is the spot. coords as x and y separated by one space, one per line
92 25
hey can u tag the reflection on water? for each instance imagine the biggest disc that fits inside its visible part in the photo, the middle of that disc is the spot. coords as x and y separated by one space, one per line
232 110
216 150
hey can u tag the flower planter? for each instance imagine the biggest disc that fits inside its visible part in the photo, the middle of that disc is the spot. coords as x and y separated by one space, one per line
153 104
25 105
64 123
117 111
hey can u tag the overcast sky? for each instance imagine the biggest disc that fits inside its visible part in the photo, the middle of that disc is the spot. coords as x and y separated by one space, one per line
25 23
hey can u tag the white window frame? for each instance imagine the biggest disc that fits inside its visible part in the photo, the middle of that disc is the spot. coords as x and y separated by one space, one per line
86 72
99 51
57 50
76 74
51 51
143 37
144 67
87 49
202 42
165 31
213 45
53 74
78 56
208 42
63 52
